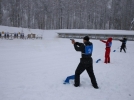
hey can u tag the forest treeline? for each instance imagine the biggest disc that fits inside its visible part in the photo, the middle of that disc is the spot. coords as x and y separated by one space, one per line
67 14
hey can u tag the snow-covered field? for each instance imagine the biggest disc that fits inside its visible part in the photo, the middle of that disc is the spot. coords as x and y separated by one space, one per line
36 69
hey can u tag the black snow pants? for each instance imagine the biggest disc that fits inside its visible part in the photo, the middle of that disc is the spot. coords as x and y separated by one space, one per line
123 47
88 66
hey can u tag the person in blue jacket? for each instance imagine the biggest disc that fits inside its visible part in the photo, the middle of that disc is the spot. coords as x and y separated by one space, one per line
86 62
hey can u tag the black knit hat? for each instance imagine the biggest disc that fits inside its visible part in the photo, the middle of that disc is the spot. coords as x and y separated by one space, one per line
86 38
124 39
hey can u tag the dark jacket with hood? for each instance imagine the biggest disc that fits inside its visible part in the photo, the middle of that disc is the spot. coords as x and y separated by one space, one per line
81 47
123 42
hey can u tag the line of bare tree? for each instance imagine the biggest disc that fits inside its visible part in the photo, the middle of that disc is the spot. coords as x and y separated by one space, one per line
67 14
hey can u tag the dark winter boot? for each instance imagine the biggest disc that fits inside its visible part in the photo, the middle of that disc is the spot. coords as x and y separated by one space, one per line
76 85
96 87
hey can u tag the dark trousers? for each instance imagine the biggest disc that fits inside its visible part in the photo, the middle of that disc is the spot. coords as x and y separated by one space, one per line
89 68
123 49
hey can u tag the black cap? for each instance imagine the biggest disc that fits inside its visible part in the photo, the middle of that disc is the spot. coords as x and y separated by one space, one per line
86 38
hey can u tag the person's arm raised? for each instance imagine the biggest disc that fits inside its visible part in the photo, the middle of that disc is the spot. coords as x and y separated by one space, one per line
103 41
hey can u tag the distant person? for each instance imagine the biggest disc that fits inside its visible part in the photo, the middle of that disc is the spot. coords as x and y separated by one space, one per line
15 35
123 46
8 35
5 35
108 49
22 35
0 34
86 62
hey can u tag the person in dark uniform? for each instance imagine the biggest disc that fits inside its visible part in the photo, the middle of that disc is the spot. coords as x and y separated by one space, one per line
86 62
123 46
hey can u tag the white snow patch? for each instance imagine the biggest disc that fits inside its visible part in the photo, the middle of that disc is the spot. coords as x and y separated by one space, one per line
36 69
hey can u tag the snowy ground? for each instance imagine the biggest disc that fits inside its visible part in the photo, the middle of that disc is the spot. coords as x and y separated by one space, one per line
36 69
